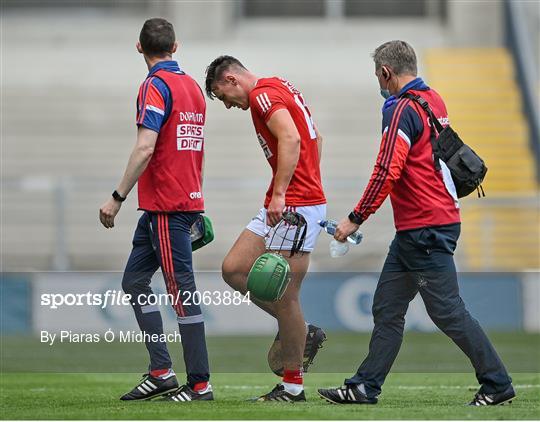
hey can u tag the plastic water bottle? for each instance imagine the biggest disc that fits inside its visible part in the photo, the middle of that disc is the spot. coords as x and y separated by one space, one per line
197 230
338 249
330 226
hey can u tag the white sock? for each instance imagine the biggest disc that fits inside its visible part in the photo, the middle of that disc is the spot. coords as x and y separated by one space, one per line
362 388
167 375
293 389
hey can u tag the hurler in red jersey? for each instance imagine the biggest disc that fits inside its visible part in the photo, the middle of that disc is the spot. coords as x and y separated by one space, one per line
292 145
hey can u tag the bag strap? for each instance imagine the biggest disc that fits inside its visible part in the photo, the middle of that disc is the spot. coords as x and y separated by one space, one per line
424 104
434 124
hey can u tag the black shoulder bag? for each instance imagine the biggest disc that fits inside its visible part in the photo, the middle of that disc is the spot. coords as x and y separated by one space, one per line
466 167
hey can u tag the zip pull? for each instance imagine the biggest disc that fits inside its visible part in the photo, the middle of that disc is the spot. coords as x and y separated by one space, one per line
482 189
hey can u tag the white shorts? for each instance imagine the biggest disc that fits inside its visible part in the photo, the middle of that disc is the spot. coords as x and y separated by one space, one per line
281 237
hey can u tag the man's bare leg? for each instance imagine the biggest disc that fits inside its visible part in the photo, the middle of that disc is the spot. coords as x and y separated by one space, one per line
236 265
292 327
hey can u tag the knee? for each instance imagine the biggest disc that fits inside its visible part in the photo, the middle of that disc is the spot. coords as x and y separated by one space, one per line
134 282
232 275
185 281
385 316
448 318
391 321
129 283
287 302
227 270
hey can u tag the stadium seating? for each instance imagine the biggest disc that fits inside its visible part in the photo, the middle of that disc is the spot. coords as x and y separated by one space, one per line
501 231
67 130
61 166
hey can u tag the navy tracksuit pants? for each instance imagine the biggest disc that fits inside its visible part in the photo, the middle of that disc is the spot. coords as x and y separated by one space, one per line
163 240
422 261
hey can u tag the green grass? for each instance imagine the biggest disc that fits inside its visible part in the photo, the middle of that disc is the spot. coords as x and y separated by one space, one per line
420 352
405 396
431 379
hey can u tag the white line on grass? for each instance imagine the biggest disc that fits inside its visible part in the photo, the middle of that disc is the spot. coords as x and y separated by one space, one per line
399 387
456 387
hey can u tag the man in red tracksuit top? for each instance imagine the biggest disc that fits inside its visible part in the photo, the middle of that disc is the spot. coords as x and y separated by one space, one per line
420 259
167 162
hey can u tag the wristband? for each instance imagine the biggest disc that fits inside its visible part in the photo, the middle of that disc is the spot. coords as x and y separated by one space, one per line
118 197
355 218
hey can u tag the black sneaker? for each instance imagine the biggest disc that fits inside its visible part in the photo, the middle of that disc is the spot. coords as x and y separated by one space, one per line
483 399
279 394
186 393
347 394
151 387
314 339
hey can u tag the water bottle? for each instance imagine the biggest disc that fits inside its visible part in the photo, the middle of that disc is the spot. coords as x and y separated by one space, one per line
330 226
197 230
338 249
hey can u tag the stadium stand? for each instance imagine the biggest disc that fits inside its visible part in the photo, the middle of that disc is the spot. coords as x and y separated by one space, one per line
501 231
61 167
68 127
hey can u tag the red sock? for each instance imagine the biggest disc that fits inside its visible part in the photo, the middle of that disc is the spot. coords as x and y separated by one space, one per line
293 376
156 373
200 386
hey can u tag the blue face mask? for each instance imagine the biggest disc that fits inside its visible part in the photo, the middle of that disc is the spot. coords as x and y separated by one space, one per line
385 93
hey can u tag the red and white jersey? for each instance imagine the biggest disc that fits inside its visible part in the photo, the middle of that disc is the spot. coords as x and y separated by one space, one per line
268 96
172 181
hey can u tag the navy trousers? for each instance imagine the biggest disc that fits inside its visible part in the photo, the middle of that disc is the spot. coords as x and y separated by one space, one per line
422 261
163 240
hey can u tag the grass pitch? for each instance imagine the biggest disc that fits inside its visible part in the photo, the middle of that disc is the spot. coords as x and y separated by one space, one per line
431 380
405 396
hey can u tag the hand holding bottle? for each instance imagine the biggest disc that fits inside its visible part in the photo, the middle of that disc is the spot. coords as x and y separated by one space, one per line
339 248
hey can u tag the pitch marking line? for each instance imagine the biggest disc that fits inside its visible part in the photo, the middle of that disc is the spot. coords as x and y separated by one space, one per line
399 387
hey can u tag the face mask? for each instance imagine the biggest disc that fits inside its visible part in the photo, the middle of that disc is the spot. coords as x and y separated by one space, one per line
385 93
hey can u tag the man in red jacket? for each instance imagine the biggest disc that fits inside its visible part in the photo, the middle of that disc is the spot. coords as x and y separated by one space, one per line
167 161
420 260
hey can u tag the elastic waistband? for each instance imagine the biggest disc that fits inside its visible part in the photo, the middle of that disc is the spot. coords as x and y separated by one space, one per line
442 226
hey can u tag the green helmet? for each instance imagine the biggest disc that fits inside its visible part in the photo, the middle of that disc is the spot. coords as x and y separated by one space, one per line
269 277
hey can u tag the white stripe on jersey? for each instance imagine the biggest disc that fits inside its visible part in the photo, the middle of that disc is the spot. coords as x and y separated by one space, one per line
261 105
264 102
268 102
156 109
404 136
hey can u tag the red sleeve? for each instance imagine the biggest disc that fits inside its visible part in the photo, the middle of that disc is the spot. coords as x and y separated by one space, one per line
150 105
266 101
390 162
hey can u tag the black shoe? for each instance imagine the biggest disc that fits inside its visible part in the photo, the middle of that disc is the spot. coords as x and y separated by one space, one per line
151 387
347 394
483 399
186 393
279 394
314 339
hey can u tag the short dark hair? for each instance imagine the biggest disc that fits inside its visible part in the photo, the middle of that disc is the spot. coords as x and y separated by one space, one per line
215 70
157 37
398 55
